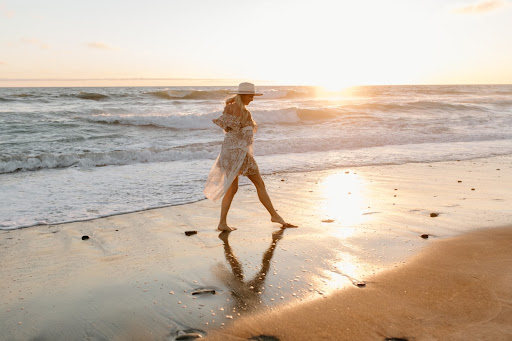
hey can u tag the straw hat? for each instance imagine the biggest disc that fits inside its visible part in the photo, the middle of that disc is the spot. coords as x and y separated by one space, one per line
246 89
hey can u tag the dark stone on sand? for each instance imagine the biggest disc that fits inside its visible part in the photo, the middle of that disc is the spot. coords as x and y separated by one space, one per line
189 233
328 221
497 169
361 285
190 334
424 236
433 215
204 291
263 338
396 339
282 179
459 181
472 189
85 237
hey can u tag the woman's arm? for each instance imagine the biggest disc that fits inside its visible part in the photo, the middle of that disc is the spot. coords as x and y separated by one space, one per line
230 118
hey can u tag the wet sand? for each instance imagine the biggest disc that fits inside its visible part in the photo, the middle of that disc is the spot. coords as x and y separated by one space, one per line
458 289
137 275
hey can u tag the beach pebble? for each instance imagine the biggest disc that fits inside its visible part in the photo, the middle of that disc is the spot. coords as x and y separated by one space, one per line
85 237
433 215
327 221
188 336
263 338
472 189
459 180
204 291
361 284
424 236
189 233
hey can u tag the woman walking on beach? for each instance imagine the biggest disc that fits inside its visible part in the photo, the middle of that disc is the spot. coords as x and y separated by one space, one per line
237 157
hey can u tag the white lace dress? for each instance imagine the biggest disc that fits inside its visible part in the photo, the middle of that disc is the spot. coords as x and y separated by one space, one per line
236 156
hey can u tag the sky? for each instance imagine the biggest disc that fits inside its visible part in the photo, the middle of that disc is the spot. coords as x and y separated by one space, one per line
331 43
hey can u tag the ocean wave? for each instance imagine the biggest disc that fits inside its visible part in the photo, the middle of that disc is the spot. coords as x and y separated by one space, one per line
221 94
190 94
209 150
286 94
22 95
92 96
23 163
424 106
176 121
291 115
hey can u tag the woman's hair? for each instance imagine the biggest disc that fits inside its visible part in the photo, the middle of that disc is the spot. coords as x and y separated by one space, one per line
237 99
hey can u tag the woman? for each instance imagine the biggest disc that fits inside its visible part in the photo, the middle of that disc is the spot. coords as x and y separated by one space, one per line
237 157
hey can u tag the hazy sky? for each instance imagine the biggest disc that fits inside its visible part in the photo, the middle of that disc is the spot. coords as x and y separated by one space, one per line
323 42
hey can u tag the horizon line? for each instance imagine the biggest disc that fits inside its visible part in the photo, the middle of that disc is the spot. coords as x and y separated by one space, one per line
209 80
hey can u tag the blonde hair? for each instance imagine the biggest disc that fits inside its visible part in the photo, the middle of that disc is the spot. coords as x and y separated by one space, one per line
237 99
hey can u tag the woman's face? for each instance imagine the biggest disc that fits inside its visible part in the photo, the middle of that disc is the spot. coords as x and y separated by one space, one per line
246 99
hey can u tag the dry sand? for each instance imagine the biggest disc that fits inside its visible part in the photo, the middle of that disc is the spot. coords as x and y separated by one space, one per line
135 275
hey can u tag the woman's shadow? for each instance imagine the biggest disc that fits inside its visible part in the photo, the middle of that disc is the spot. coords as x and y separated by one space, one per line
247 294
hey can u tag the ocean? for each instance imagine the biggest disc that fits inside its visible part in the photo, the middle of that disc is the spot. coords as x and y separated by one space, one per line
71 154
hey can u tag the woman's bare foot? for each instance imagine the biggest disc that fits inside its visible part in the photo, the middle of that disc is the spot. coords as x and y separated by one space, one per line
225 227
279 220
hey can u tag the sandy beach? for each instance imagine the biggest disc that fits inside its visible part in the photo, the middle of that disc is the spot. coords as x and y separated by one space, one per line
415 251
458 289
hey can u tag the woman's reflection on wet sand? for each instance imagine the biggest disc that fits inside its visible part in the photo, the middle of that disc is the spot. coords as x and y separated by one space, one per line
247 294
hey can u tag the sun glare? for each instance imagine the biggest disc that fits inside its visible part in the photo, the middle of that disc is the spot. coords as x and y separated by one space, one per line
344 200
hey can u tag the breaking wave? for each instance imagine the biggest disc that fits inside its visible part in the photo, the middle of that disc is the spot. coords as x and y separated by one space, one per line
19 163
92 96
195 121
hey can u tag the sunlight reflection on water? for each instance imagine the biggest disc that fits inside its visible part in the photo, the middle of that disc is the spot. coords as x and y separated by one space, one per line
345 200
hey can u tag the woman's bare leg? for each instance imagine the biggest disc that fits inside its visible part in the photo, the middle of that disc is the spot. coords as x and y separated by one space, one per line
265 200
226 203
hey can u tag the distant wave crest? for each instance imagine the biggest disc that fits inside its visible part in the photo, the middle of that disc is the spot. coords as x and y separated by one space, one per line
92 96
222 94
189 94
